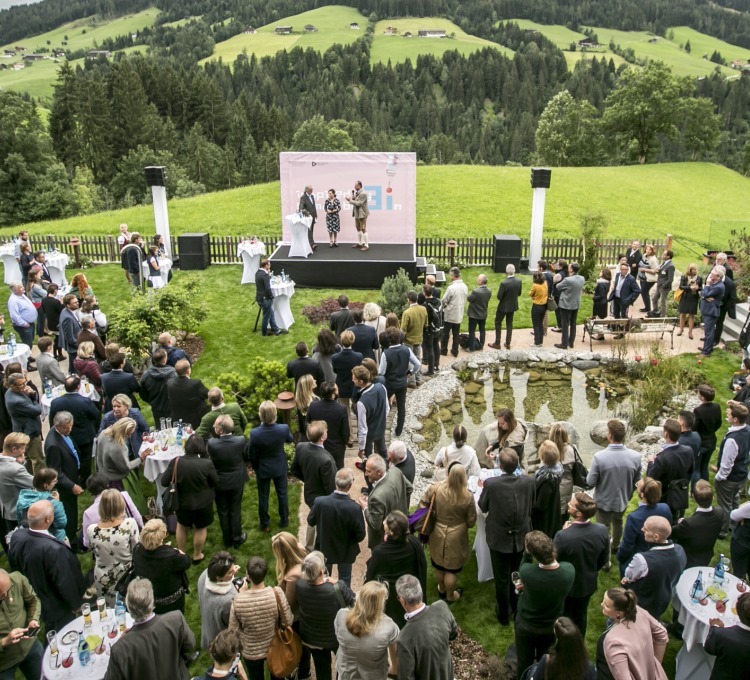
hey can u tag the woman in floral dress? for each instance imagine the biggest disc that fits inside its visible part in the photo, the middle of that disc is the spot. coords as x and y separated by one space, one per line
112 541
333 224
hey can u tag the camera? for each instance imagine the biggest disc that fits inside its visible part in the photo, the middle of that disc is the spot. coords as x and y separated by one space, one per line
238 582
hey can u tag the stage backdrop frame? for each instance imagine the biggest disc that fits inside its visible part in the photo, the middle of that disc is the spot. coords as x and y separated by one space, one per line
389 178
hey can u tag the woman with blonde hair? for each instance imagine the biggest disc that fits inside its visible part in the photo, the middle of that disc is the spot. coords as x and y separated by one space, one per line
690 285
289 555
86 366
304 395
114 463
373 317
559 434
454 513
111 349
545 513
367 637
385 340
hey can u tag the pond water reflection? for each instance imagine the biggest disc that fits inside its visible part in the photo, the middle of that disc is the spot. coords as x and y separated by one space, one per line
537 393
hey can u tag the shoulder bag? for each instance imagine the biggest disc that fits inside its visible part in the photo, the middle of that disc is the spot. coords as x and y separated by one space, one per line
170 501
551 304
422 521
124 581
580 471
286 648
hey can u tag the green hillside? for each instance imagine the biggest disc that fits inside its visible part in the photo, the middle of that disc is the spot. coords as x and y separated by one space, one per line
398 48
332 24
701 44
696 202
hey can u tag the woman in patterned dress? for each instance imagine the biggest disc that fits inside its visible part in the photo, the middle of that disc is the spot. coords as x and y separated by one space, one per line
333 224
112 540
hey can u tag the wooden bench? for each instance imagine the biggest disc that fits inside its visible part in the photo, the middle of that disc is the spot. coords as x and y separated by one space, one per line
620 327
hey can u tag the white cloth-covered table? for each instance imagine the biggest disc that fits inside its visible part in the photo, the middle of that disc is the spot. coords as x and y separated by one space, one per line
21 355
97 666
12 268
56 263
481 549
282 293
157 463
165 264
692 661
299 227
85 390
250 252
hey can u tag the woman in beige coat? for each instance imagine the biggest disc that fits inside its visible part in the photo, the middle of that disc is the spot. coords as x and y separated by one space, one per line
454 513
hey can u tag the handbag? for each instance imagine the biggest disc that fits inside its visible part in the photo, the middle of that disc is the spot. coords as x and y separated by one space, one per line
124 581
422 521
170 501
551 304
678 294
580 471
286 648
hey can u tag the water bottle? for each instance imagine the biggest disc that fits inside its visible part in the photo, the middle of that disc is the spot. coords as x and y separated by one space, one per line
719 571
283 276
47 388
179 433
84 652
697 590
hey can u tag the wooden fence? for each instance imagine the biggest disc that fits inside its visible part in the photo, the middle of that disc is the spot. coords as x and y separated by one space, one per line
469 251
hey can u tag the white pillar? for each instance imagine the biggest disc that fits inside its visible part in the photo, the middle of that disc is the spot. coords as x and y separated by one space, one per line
537 227
161 216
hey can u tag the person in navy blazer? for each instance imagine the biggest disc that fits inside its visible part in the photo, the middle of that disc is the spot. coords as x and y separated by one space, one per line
118 381
265 451
228 452
66 460
629 290
340 526
365 337
307 202
712 296
343 362
121 408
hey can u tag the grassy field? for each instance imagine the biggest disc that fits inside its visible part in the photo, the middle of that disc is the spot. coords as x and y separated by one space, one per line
698 203
396 48
332 23
701 44
181 22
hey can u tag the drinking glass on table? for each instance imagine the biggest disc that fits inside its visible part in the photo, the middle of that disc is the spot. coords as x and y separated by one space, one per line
169 423
52 642
86 611
162 423
101 605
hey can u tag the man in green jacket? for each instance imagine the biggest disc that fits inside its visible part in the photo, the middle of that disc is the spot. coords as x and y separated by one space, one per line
20 611
413 324
219 408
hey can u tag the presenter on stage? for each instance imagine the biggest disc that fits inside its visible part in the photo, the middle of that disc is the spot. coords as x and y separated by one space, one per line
307 202
360 211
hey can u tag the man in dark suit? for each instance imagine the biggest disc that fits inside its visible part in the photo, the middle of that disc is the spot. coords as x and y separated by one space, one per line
227 452
478 299
508 500
663 287
118 381
264 299
62 456
634 257
625 292
507 305
340 526
328 409
400 457
390 492
698 533
86 419
88 334
342 319
156 645
730 645
153 385
586 547
673 468
22 405
315 467
50 566
174 354
69 328
365 337
187 396
728 306
307 202
304 365
343 362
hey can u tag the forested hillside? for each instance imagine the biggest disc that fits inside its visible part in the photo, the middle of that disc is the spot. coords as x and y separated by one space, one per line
221 125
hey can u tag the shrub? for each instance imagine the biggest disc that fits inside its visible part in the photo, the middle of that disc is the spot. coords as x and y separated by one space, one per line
263 381
137 323
393 292
318 314
593 226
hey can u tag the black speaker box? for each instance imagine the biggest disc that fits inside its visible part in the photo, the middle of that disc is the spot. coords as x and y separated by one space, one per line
507 250
194 251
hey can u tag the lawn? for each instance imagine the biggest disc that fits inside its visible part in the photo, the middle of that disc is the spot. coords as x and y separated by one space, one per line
698 203
332 23
701 44
397 48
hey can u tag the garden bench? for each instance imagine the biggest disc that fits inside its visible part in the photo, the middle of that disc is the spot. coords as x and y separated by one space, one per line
594 326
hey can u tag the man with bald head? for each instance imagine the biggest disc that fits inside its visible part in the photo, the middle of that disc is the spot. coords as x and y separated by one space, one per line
219 408
653 575
50 566
22 611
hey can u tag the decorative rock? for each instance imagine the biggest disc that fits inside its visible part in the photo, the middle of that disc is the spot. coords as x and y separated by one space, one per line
650 436
586 356
445 415
598 432
473 387
428 472
473 365
418 439
583 364
548 356
518 356
533 358
566 371
455 407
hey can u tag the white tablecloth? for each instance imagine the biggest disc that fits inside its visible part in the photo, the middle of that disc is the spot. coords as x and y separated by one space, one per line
157 463
250 252
165 264
282 311
12 268
481 549
299 227
56 263
97 667
692 661
58 391
22 355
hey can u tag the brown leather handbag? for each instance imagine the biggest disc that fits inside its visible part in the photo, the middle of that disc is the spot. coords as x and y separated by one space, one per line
286 648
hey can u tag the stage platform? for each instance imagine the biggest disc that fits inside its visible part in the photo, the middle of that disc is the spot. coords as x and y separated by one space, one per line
346 267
